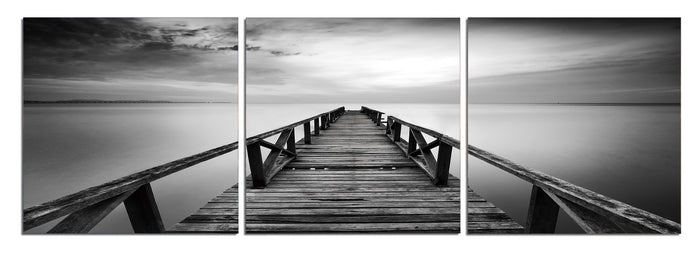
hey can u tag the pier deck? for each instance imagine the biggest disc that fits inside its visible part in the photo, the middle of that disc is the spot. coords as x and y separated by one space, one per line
219 215
352 178
485 218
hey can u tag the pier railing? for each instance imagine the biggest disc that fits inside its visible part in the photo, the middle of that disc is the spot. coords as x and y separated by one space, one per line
591 211
417 148
283 150
86 208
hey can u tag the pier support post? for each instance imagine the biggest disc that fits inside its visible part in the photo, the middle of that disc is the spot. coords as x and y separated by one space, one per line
143 211
257 171
316 127
389 122
397 132
307 133
291 145
411 143
542 213
442 171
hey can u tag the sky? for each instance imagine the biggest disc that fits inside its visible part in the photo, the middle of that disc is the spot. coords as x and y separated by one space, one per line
573 60
174 59
352 60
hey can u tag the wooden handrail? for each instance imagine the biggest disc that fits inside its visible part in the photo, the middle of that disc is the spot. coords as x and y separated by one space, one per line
86 207
593 212
268 134
375 115
417 148
444 138
263 170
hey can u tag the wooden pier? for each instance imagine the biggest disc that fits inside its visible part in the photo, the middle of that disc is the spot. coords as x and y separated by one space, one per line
352 174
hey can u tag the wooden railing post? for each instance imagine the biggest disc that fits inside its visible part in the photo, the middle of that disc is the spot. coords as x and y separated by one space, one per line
143 211
389 122
257 170
542 213
379 119
411 143
316 127
324 119
328 120
291 145
442 172
307 133
397 132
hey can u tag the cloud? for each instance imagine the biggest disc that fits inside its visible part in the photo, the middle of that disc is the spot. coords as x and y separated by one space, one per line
156 46
281 53
198 51
351 59
574 60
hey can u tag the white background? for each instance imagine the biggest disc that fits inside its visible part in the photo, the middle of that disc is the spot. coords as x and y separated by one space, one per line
13 241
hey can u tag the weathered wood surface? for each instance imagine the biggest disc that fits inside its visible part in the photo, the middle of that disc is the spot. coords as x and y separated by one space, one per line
485 218
417 149
352 178
267 134
219 215
283 150
593 212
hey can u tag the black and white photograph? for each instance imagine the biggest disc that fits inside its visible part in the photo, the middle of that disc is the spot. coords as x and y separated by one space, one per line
352 125
129 125
574 125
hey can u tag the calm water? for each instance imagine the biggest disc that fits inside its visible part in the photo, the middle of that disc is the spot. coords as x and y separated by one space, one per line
630 153
443 118
67 148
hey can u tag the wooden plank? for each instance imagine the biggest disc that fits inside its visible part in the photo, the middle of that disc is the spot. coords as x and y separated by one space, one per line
450 227
352 194
351 178
205 228
287 219
485 218
368 199
341 204
356 189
